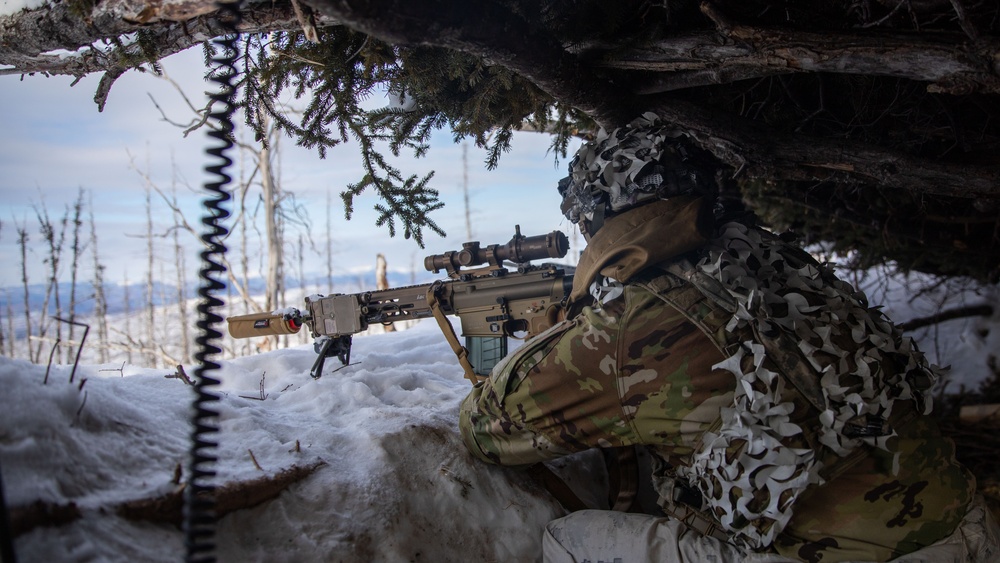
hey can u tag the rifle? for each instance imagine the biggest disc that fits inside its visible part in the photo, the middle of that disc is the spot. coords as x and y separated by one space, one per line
493 303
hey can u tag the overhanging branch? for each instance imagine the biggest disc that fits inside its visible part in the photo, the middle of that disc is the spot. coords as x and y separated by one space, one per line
491 31
27 38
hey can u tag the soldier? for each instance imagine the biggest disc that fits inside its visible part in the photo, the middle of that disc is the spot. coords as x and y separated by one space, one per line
785 418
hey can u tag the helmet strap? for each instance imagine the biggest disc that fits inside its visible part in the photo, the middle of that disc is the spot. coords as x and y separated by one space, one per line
598 221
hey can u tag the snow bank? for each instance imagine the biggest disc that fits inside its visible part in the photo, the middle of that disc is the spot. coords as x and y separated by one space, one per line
8 7
395 482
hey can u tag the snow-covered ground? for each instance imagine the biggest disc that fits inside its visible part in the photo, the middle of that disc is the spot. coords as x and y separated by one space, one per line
393 481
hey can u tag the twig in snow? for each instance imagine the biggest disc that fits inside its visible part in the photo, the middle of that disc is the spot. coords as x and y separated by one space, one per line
180 374
79 349
80 410
49 366
120 370
262 394
254 460
345 366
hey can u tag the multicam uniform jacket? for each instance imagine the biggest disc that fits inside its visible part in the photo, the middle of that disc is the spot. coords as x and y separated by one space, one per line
654 366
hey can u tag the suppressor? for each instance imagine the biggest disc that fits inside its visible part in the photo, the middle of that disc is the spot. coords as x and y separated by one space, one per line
262 324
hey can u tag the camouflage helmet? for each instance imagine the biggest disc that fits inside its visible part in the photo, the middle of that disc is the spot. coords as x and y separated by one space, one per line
641 162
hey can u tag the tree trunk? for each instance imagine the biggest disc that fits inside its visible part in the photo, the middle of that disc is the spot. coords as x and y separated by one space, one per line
382 282
22 242
100 299
77 251
12 338
128 316
54 241
329 245
182 308
303 337
150 304
465 190
271 195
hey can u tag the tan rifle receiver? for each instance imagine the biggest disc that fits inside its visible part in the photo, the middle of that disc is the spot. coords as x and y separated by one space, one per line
506 297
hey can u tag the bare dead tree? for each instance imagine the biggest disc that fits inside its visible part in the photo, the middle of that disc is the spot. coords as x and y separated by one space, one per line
22 242
100 297
329 245
244 231
382 282
277 207
127 313
54 235
273 226
181 280
465 190
12 340
76 251
150 304
301 262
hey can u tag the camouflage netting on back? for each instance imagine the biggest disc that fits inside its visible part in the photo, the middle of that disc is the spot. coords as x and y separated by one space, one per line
776 291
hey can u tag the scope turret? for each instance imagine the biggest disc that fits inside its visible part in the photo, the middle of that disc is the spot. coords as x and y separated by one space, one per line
520 249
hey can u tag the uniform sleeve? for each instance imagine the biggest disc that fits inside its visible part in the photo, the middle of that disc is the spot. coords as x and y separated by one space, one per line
493 418
550 398
633 372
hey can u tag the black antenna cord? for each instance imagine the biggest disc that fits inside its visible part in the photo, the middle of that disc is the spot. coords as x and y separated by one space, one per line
199 496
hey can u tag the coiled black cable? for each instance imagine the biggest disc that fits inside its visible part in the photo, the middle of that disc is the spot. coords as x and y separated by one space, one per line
199 497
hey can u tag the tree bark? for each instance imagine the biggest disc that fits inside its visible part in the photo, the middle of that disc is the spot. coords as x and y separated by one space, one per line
167 508
26 37
946 62
169 27
753 148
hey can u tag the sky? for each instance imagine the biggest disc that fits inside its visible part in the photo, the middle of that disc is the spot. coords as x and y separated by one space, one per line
56 143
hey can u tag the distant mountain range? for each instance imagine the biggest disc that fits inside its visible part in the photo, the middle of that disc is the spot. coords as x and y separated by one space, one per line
12 297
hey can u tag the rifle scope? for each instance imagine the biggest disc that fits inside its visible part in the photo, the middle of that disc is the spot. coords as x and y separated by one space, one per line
519 249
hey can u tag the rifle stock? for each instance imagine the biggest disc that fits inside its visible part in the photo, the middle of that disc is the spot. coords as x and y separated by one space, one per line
492 303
